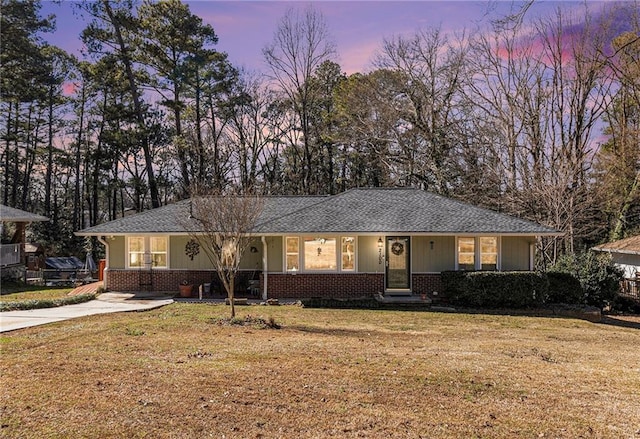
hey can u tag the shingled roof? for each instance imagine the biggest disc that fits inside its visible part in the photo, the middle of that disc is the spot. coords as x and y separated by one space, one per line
370 210
629 246
11 214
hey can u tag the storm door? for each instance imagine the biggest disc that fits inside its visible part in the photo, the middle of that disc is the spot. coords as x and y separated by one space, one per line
398 265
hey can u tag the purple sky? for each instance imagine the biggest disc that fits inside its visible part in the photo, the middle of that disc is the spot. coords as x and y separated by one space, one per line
358 27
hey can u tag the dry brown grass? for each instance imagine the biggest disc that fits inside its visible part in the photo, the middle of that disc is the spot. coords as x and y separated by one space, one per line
171 373
34 293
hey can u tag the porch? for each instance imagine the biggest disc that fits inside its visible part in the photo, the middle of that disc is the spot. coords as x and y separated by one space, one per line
631 287
10 254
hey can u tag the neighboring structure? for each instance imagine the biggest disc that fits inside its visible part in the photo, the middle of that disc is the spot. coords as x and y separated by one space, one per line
625 253
35 257
360 242
12 253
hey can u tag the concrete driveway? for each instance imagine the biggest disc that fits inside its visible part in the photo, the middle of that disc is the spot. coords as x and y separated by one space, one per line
105 303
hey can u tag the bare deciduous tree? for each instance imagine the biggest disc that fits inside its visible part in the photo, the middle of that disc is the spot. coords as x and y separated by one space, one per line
300 45
433 75
222 223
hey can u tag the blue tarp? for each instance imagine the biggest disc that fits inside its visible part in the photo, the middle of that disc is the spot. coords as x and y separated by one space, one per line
64 263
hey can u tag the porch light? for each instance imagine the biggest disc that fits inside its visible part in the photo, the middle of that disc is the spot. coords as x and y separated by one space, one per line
380 243
380 251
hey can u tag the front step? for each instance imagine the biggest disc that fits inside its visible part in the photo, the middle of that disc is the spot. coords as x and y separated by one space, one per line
401 300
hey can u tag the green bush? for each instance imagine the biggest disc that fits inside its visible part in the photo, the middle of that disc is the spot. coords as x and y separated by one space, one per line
483 289
45 303
564 288
598 276
453 284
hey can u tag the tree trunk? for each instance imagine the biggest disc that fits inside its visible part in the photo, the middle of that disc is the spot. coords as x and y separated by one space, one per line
126 61
231 294
77 208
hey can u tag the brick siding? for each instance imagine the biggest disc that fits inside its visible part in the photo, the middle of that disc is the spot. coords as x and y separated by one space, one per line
169 280
334 285
281 285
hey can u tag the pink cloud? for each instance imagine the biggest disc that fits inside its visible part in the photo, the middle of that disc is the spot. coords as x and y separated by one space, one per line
69 88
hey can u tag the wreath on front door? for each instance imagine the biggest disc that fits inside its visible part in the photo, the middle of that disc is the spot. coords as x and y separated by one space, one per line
397 248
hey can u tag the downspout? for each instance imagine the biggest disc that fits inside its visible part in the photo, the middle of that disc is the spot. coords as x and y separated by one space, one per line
265 267
106 267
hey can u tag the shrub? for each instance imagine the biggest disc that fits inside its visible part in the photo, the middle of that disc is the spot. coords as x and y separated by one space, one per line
45 303
598 276
564 288
626 304
495 289
453 284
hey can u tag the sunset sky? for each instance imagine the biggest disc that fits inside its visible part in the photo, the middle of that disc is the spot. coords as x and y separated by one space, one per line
244 28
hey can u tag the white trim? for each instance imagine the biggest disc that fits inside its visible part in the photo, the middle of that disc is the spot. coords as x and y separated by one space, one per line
106 264
146 254
265 266
457 250
477 251
532 256
335 233
409 268
301 259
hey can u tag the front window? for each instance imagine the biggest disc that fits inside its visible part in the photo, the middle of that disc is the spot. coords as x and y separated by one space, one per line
136 251
158 246
147 252
293 253
489 253
320 254
466 254
348 253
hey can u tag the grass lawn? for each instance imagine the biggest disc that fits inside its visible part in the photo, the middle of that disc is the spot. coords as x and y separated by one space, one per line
175 373
19 293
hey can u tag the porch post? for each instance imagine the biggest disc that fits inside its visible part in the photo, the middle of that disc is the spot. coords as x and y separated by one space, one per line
265 267
532 257
104 242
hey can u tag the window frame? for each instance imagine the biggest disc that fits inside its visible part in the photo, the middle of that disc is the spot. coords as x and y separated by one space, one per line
477 253
354 241
336 257
147 254
473 253
288 253
482 253
301 256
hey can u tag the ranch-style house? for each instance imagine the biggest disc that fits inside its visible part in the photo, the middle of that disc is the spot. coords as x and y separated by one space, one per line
368 241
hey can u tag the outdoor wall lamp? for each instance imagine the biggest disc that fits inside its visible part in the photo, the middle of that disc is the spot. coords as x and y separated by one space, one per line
431 244
380 251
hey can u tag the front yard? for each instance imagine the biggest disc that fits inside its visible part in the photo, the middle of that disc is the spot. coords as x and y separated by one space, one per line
176 372
19 293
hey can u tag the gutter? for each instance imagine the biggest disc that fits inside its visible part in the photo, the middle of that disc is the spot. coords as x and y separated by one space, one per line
621 252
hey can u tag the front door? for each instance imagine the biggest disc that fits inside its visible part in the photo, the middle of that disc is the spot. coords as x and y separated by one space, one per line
398 265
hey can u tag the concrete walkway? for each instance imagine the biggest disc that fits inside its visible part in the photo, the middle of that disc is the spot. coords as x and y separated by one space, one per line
105 303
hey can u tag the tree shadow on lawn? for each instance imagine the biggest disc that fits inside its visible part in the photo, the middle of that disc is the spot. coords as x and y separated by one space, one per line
632 322
341 332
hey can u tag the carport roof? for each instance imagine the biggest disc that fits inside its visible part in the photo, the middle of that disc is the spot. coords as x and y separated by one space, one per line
11 214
